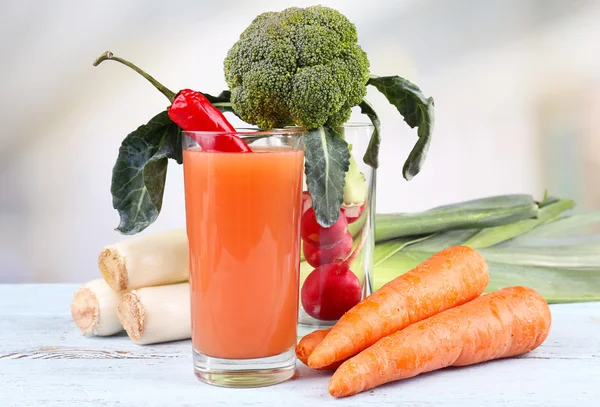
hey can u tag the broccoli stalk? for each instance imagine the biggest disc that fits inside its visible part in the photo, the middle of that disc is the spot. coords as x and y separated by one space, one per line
355 191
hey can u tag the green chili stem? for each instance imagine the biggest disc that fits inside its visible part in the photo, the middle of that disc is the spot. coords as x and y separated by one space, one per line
164 90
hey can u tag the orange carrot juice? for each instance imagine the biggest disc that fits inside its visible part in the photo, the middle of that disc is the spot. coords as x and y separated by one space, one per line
243 214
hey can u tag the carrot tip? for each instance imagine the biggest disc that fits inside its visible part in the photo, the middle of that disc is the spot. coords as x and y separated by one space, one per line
337 390
313 362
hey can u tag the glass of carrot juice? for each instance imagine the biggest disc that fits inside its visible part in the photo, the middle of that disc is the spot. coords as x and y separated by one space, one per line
243 225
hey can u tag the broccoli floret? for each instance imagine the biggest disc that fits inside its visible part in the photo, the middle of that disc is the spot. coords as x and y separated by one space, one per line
298 66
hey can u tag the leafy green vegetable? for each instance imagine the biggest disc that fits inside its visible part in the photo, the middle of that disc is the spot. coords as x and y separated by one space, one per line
327 160
417 111
371 156
475 214
138 180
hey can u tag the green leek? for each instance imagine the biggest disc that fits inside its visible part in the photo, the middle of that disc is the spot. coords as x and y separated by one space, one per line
561 268
479 213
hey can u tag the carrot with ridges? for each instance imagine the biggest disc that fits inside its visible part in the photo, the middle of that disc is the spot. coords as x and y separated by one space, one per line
502 324
449 278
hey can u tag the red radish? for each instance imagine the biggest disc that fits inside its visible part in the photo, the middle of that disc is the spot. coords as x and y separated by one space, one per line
317 256
329 291
317 235
353 212
306 201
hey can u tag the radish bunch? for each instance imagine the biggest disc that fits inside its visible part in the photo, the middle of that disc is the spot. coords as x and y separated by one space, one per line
331 288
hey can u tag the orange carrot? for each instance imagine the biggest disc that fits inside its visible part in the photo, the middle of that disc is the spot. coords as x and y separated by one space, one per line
506 323
449 278
308 343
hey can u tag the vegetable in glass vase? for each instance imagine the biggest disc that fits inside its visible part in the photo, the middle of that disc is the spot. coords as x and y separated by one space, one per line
297 67
304 67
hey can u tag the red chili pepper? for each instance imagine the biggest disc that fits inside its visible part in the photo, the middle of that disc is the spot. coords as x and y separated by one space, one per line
192 111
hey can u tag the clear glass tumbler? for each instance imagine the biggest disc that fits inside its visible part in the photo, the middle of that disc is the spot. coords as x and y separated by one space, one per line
243 226
335 274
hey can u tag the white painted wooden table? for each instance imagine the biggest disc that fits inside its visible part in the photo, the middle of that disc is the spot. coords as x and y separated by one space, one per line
44 361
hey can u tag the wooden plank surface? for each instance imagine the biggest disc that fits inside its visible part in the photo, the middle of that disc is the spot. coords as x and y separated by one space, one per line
44 360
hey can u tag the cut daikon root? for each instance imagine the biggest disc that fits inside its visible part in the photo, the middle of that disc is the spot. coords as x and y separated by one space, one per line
157 314
94 309
145 261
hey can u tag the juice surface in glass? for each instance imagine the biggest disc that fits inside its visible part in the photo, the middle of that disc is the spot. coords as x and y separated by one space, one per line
242 215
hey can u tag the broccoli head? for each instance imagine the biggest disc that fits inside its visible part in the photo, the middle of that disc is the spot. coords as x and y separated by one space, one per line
300 66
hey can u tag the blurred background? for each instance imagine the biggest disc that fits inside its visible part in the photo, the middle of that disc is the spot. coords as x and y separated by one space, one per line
516 85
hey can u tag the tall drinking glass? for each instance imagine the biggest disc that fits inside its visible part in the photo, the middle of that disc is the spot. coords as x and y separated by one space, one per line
243 225
328 291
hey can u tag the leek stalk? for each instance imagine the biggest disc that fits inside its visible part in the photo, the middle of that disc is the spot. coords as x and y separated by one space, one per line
490 236
476 214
